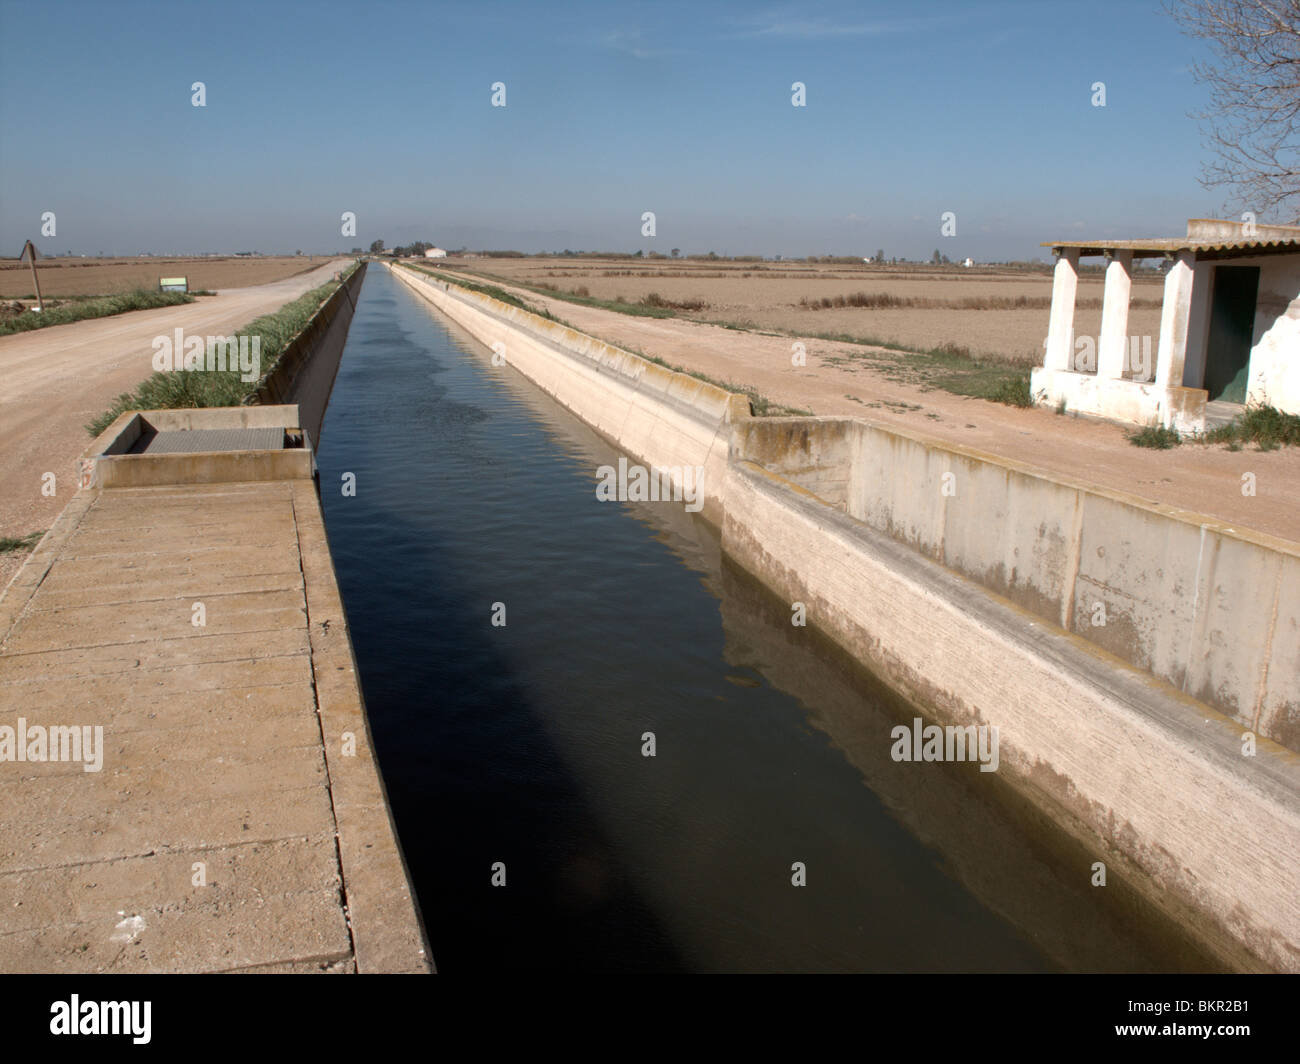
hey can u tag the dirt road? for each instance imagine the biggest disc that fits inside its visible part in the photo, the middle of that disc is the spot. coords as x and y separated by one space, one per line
837 380
54 380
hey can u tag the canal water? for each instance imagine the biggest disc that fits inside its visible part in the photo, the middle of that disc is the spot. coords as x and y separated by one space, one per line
516 751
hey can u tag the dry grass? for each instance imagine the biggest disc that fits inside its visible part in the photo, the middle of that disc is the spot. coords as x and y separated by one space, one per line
889 301
63 313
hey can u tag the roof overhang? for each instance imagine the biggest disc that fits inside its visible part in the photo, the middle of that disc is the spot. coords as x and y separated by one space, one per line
1160 247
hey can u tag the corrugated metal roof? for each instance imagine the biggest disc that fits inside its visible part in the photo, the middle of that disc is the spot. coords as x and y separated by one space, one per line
1170 245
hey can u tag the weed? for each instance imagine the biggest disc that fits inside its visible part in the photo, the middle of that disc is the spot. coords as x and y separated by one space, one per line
203 388
1265 426
1154 436
102 307
17 543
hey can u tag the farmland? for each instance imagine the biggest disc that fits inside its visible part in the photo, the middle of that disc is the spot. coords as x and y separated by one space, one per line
75 277
994 314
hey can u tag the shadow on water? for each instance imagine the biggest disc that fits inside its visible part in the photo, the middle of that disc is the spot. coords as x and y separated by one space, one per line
1006 851
450 719
523 744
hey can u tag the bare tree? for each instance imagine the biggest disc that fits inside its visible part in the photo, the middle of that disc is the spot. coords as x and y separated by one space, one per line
1253 121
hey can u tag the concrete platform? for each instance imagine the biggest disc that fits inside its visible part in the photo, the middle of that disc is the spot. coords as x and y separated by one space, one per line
237 820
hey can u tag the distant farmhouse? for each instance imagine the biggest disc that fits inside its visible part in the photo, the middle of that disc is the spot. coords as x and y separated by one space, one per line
1229 329
435 253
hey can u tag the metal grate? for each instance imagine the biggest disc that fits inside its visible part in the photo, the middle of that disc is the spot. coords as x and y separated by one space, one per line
194 441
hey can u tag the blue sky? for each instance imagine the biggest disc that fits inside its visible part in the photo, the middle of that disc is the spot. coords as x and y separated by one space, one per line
683 109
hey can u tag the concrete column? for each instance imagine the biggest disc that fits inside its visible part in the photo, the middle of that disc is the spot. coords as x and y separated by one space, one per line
1112 345
1060 329
1174 313
1198 324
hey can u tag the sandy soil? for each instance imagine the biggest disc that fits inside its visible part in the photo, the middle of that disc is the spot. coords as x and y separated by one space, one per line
1193 477
54 380
85 277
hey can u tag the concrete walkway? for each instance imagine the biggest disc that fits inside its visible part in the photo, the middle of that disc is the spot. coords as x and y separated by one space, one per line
231 825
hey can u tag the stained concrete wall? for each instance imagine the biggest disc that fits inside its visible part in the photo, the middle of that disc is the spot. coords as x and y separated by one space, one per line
1157 779
969 582
1119 399
304 373
1180 596
1275 357
818 454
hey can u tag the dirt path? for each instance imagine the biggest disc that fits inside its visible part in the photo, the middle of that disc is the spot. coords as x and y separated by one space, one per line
1193 477
54 380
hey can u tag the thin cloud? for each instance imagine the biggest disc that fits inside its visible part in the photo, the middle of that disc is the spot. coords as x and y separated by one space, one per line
801 26
632 42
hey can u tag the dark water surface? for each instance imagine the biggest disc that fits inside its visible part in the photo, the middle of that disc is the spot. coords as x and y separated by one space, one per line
523 744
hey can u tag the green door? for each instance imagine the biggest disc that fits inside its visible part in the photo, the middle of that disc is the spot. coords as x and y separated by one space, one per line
1232 328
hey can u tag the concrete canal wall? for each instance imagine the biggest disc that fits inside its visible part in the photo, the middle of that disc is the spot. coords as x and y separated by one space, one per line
303 375
1213 610
667 419
971 584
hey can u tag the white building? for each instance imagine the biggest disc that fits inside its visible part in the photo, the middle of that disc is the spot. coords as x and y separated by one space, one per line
435 253
1229 329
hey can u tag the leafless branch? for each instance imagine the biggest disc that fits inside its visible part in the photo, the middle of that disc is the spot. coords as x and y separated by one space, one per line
1252 123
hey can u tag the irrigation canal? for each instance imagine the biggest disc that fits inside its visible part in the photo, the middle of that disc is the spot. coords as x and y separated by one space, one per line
522 745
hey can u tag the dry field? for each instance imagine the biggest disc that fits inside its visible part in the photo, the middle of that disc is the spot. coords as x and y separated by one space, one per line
939 302
99 277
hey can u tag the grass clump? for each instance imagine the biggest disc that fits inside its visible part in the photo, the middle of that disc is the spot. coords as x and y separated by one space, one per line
17 543
101 307
184 389
1156 437
889 301
948 367
659 309
1265 426
1014 391
654 299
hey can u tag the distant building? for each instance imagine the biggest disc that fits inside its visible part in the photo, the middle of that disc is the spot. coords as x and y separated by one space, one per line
1229 329
435 253
969 262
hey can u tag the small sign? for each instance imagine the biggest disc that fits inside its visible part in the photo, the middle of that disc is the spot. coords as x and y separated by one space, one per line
173 284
